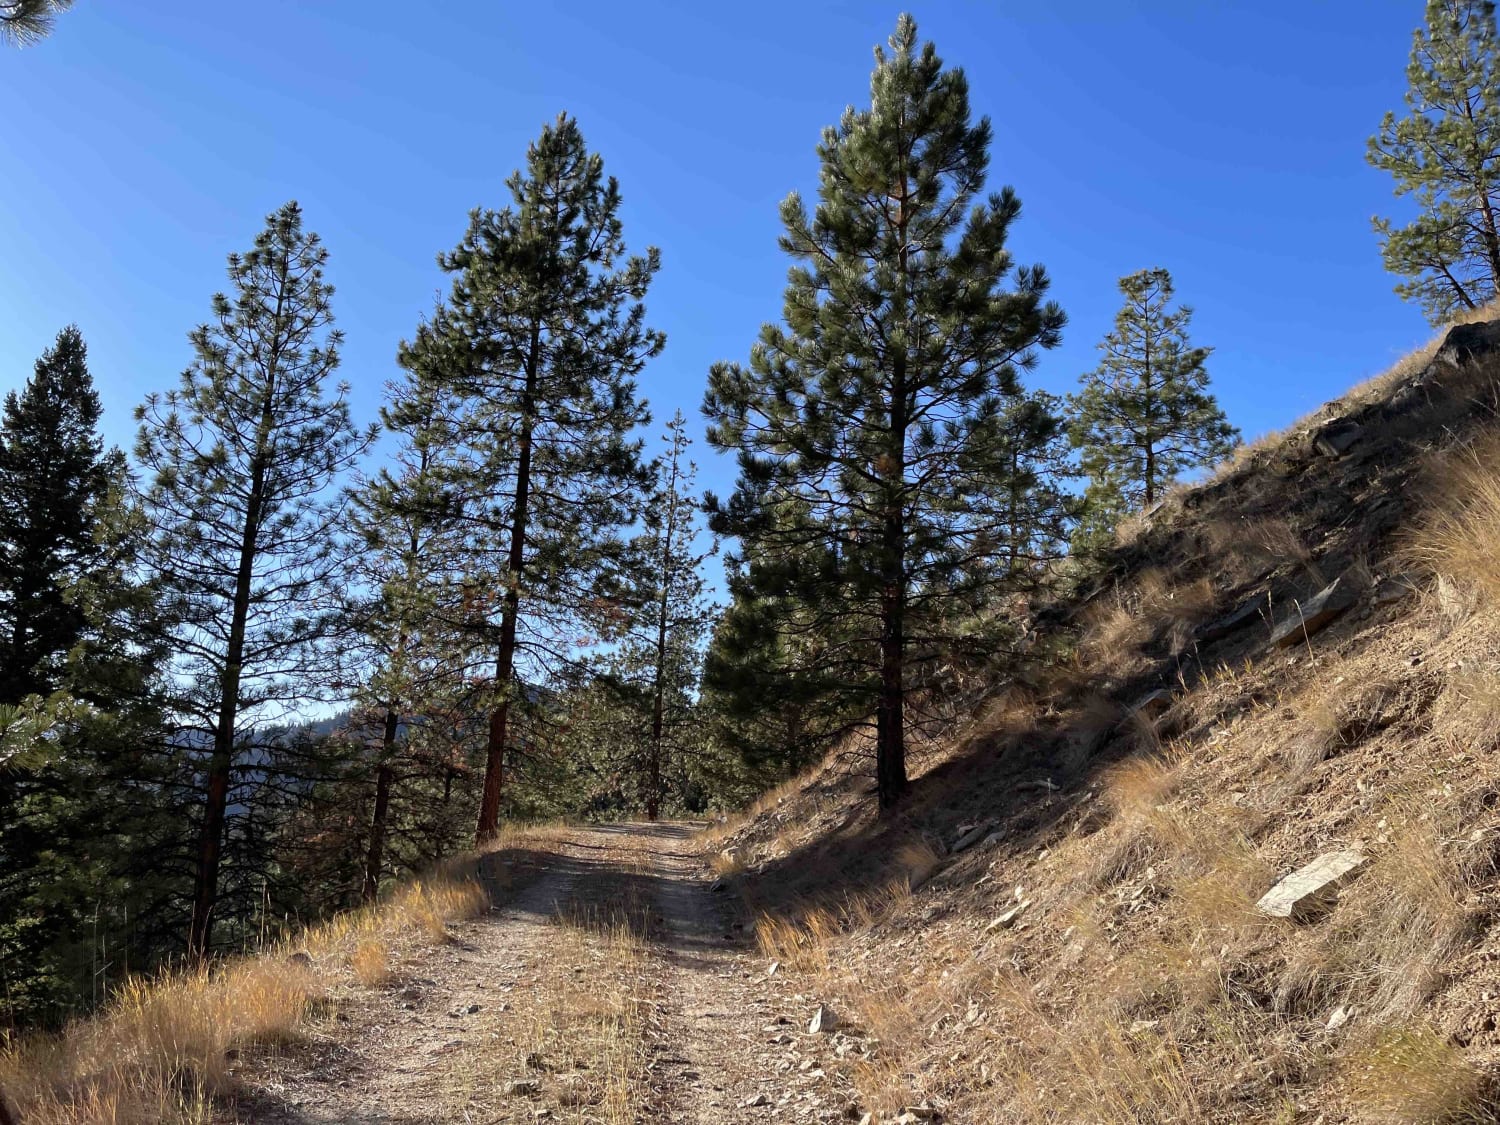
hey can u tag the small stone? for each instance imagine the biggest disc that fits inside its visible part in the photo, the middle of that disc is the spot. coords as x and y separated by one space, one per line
1338 437
823 1021
758 1100
971 836
1140 1027
775 966
299 958
1151 705
1008 919
1312 888
1341 1015
1314 615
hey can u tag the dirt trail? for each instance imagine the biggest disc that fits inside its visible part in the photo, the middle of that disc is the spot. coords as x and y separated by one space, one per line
548 1010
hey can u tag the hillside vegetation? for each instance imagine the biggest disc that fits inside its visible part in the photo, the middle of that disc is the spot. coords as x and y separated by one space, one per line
1062 923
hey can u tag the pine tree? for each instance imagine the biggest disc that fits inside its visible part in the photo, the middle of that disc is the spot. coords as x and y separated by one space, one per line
663 650
872 423
241 458
54 478
26 21
1145 415
539 343
1446 154
404 528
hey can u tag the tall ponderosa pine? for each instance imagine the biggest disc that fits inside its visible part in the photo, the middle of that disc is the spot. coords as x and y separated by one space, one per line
240 460
539 343
1446 154
54 480
1145 414
870 428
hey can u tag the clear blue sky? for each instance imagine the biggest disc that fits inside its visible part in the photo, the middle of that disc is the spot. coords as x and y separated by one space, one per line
1225 141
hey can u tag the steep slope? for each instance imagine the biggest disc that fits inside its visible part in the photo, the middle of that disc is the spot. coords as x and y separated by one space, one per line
1297 657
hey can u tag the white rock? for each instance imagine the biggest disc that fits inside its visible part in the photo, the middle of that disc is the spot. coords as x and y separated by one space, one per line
1312 888
823 1021
1008 919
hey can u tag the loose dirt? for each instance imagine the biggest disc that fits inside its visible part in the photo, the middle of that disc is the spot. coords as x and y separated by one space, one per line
617 987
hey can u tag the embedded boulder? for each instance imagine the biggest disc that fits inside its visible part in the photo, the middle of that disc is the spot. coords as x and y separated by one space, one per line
1311 889
1468 342
1316 614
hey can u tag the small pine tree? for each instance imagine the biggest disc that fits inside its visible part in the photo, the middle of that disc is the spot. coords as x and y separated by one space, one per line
241 459
54 479
1446 154
538 344
662 650
1145 415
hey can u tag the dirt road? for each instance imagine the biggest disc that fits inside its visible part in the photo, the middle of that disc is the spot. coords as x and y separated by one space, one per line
617 988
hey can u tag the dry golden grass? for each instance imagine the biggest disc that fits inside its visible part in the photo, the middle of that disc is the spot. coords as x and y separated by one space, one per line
1393 930
1460 539
161 1050
1410 1074
371 962
579 1030
1153 607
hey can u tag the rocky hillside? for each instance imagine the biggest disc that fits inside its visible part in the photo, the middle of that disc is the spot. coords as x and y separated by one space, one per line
1229 852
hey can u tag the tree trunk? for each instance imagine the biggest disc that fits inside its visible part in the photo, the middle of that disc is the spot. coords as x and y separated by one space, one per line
216 802
383 778
505 662
890 708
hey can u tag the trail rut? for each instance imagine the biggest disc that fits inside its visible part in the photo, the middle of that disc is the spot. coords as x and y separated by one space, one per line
616 988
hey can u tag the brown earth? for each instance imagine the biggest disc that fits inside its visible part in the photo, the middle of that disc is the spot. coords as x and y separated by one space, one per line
616 987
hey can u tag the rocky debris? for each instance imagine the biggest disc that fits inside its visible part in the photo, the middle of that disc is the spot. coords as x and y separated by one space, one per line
1393 590
1152 705
1314 615
1038 785
911 1114
574 1090
1008 919
970 835
1337 437
1242 617
823 1021
1311 889
522 1088
755 1102
1468 342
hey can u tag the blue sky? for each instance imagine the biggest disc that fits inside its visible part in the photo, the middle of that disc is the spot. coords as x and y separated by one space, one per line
1225 141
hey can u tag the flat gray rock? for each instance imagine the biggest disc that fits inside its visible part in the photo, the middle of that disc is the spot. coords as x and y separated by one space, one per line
1314 615
1311 889
1250 613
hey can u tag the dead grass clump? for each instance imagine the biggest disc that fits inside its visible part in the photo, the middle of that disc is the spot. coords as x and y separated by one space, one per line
160 1052
803 943
429 905
916 861
1152 608
371 962
1410 1074
1392 931
1460 538
1136 791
